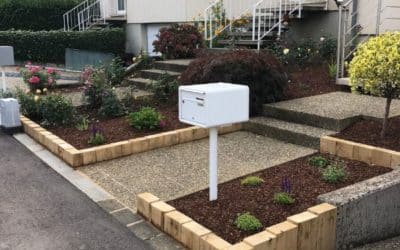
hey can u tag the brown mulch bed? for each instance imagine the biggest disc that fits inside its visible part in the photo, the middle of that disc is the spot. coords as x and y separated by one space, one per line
116 129
233 198
309 81
368 132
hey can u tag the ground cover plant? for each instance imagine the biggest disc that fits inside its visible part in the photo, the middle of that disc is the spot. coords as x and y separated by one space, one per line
375 69
296 179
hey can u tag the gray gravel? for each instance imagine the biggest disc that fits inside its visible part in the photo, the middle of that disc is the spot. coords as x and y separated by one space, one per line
389 244
340 105
183 169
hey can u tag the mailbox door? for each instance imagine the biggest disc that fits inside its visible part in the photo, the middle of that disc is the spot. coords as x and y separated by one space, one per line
193 109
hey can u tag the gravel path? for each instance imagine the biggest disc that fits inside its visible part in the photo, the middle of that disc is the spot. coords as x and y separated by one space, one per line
340 105
183 169
389 244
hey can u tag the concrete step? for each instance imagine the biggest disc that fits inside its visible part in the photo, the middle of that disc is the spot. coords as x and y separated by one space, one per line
173 65
155 74
294 133
140 83
310 118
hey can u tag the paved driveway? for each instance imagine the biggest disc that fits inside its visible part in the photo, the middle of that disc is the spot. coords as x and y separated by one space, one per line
41 210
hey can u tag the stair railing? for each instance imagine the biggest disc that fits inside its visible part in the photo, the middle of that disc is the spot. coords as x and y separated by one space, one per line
268 15
91 15
351 30
220 15
71 17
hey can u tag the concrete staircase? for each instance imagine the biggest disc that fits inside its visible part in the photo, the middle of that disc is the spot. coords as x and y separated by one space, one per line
293 127
265 19
146 77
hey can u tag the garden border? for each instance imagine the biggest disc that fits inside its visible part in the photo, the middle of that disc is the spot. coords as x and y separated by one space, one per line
76 158
360 152
312 229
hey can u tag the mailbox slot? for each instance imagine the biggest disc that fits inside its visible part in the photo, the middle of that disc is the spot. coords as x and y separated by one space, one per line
192 104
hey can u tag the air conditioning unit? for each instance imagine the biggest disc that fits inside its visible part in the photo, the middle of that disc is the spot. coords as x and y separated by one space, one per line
9 115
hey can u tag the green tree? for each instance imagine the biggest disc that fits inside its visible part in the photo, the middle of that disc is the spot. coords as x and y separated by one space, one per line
375 69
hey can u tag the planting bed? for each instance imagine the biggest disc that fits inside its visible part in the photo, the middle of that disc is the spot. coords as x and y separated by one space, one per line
309 81
306 185
368 132
116 129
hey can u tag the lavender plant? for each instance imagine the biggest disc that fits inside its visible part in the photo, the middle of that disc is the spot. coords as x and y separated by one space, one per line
96 136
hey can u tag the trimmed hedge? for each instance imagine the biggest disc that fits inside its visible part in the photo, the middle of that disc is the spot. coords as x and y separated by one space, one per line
34 14
49 46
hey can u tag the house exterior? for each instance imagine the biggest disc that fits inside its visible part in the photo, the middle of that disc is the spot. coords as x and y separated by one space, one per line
314 18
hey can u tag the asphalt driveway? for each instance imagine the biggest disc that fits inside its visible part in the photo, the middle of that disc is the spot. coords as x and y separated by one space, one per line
41 210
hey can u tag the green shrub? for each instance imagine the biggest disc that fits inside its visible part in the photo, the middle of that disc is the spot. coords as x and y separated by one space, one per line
247 223
34 14
252 181
262 72
283 198
318 161
332 70
49 46
327 48
56 110
178 41
28 105
165 88
334 173
111 106
115 71
146 118
96 88
83 124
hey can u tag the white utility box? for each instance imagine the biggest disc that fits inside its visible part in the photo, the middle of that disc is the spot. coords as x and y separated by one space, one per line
214 104
211 106
9 114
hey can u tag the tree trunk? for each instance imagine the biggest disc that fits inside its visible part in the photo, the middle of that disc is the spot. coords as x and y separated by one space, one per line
386 118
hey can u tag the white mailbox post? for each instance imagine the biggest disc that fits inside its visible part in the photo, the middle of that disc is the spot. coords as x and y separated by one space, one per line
6 59
211 106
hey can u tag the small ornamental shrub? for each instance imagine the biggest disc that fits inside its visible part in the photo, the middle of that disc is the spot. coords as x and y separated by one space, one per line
146 118
111 106
165 88
247 223
327 48
29 105
318 161
376 69
332 70
283 198
83 124
39 79
252 181
334 173
56 110
115 71
178 41
96 137
262 72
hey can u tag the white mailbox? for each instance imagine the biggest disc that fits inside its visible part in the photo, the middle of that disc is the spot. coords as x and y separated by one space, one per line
210 106
214 104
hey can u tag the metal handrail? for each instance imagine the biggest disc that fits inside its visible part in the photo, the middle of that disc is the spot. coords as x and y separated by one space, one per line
287 7
71 17
84 20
